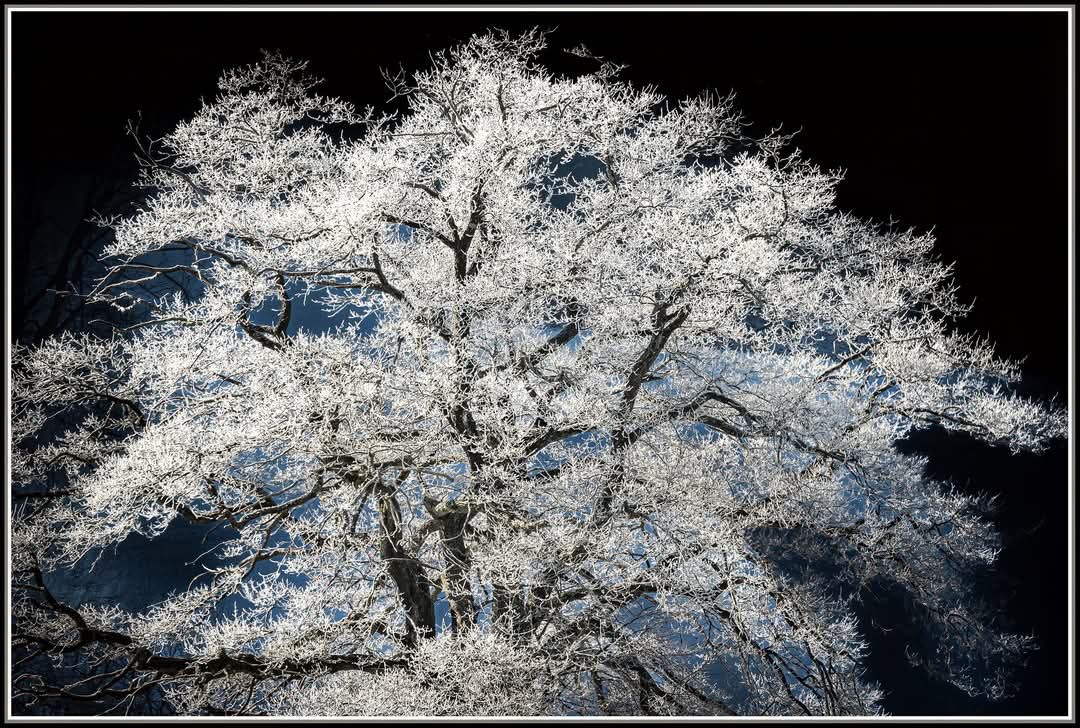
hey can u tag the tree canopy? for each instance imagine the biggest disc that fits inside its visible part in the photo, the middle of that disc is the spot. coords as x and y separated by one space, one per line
608 424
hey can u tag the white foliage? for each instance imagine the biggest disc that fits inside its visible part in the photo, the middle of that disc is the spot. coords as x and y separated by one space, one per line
599 416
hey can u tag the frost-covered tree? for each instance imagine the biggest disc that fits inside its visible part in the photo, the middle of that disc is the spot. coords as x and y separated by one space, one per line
609 425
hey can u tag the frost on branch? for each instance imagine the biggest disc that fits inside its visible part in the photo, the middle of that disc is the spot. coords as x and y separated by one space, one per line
610 425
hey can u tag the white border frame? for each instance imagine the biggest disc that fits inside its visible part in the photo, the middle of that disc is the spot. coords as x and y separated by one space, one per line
1069 10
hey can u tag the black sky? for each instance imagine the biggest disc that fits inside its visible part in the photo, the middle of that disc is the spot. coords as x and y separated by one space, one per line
944 120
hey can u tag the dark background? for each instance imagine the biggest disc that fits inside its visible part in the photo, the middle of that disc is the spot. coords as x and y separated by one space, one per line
955 122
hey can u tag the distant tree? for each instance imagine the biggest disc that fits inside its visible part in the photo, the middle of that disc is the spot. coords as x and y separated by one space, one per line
612 428
57 254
